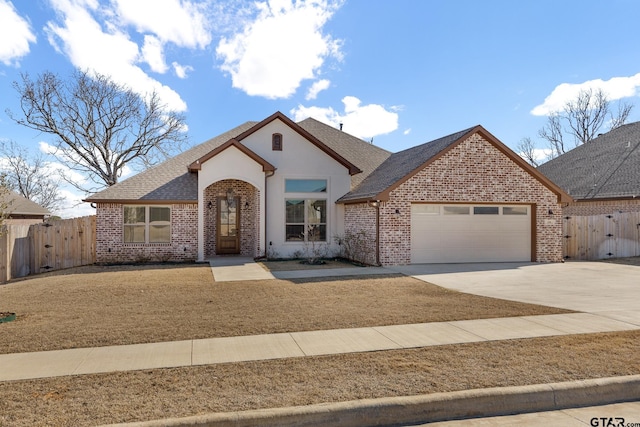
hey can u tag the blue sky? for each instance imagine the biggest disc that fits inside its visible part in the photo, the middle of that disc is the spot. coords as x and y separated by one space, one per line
399 72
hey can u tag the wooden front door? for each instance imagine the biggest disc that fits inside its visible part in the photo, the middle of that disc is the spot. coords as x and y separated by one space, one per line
228 226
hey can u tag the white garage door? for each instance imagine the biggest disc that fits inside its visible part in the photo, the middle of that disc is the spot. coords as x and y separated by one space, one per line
470 233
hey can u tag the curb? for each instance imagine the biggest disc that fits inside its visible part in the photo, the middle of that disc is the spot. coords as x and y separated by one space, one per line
390 411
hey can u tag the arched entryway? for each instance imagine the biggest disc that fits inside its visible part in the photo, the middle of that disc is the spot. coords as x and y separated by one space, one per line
231 219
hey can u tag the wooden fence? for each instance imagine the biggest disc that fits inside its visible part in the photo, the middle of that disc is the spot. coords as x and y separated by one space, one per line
32 249
601 236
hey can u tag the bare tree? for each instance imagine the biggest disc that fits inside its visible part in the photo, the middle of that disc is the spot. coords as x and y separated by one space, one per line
586 114
552 132
582 118
4 202
100 126
31 176
621 116
527 150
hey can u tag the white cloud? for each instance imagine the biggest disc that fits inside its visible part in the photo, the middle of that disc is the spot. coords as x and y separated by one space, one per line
363 121
110 52
407 131
15 34
316 88
283 46
153 54
61 168
181 70
180 22
72 205
615 88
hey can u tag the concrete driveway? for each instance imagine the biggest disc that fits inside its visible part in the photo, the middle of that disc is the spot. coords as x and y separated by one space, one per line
609 290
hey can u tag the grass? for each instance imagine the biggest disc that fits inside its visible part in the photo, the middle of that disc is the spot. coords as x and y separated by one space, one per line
99 306
122 305
155 394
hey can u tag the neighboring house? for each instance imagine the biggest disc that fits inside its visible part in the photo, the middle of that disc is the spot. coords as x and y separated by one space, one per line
271 187
23 211
603 175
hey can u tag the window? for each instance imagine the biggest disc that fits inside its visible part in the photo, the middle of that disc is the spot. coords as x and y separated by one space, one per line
486 210
514 210
306 220
147 224
455 210
425 209
276 142
305 186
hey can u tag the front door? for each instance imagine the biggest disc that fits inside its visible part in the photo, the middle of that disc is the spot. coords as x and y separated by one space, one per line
228 226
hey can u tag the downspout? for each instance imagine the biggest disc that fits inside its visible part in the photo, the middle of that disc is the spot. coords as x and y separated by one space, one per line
266 223
376 205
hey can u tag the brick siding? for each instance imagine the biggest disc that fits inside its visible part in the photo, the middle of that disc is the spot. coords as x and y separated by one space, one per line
360 223
473 172
601 207
249 216
110 247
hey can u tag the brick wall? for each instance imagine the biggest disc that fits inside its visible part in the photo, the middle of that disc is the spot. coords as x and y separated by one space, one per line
472 172
360 227
601 207
110 247
249 216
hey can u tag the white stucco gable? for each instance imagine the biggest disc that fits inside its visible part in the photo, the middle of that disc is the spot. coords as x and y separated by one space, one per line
230 161
254 158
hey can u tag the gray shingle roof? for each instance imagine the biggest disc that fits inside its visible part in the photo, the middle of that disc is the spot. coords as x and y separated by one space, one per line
171 181
361 153
606 167
400 165
19 205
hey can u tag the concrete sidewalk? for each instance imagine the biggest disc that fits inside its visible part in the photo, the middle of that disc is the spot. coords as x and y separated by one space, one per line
21 366
234 268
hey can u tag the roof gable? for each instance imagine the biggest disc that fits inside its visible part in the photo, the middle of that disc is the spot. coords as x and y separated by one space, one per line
401 166
197 165
353 169
608 167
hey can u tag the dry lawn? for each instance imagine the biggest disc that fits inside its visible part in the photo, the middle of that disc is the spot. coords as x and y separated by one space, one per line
99 306
118 305
156 394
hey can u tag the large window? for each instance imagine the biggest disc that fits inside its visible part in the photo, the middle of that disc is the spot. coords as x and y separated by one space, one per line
305 186
306 220
147 224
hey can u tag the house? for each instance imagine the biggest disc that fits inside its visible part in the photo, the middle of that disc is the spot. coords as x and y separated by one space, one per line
22 211
275 187
603 175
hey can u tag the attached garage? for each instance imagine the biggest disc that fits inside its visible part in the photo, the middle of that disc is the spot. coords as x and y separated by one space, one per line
465 197
450 233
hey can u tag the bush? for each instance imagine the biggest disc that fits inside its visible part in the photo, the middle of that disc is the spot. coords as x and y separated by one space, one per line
353 246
